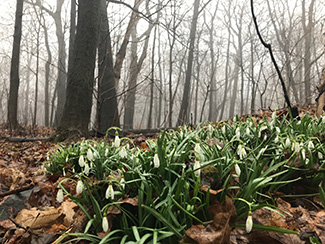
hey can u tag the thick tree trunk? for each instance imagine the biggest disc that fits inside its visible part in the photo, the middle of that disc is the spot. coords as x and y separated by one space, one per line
77 109
14 71
107 106
183 113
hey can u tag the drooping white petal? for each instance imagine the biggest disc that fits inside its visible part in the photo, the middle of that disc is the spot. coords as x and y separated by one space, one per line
90 155
106 152
156 162
287 143
197 170
276 139
105 224
320 155
59 195
80 187
117 141
81 161
123 152
122 182
249 223
109 192
311 145
86 170
248 131
238 132
237 170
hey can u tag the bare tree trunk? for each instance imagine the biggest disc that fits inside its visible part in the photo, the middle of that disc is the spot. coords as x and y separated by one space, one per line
183 113
14 71
149 125
107 106
135 68
77 109
308 29
36 72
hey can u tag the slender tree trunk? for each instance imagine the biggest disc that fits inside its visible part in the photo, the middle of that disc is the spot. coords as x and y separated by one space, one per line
183 116
36 74
149 125
77 109
14 71
307 27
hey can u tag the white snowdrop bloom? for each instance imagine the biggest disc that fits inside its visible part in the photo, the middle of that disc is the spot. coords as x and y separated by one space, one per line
210 129
274 115
59 195
248 131
277 129
249 223
109 192
223 129
320 155
80 187
67 159
198 149
117 141
156 162
197 169
276 139
105 224
307 161
122 182
296 147
237 170
238 132
299 122
241 152
311 145
86 170
234 119
261 130
287 143
90 155
123 152
303 154
250 124
106 152
81 161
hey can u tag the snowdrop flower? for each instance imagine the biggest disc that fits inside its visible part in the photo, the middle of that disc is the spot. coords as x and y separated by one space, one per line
320 155
156 162
122 182
303 154
241 152
238 132
80 187
234 119
81 161
210 130
296 147
59 195
109 192
278 130
123 153
86 170
105 224
261 129
197 170
117 141
276 140
67 159
197 149
287 143
311 145
274 116
248 131
106 152
223 129
249 222
90 155
237 169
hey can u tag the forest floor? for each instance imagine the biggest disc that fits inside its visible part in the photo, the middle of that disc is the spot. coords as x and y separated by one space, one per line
29 212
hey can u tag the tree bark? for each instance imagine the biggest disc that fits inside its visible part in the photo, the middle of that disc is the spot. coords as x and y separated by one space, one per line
107 106
14 71
77 109
183 113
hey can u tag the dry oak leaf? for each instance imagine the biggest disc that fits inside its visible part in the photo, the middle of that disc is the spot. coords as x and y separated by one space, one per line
34 218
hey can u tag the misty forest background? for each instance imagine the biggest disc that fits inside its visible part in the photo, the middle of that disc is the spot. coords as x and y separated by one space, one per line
156 57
